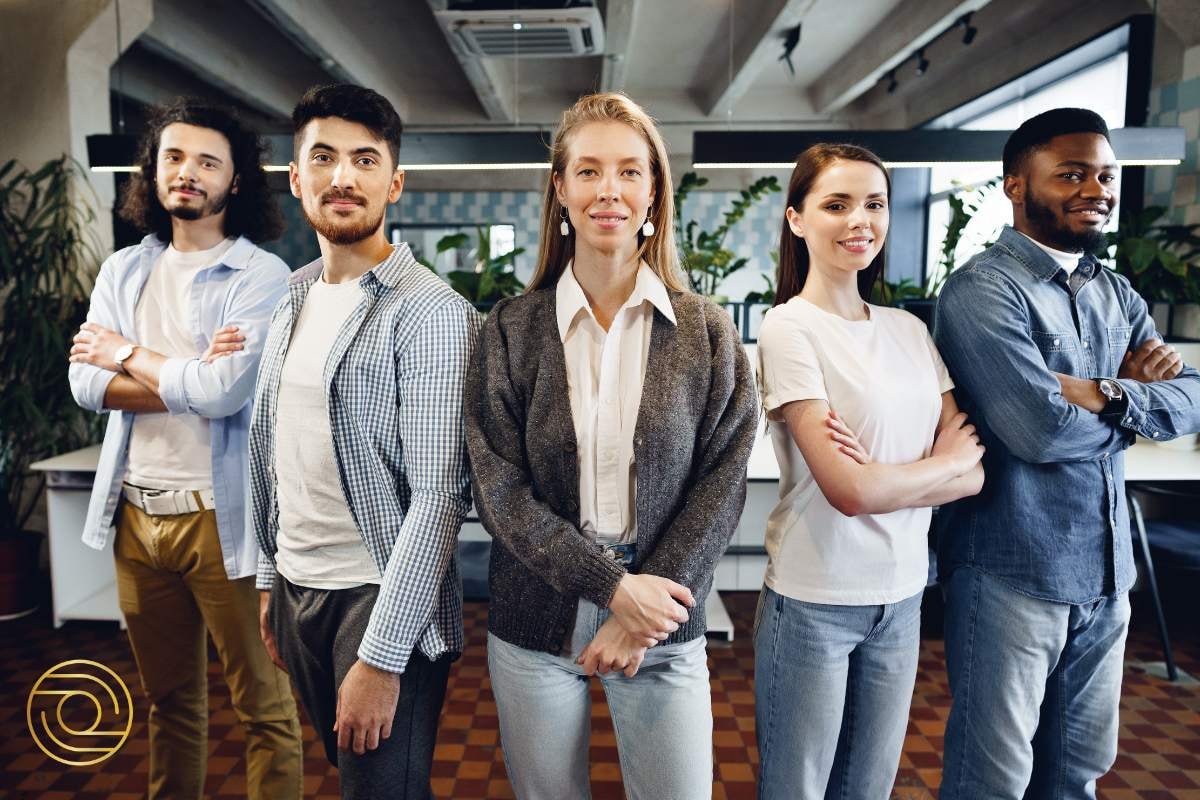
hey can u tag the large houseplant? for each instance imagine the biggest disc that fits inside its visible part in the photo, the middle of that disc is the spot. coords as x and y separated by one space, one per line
1162 262
48 256
705 259
491 279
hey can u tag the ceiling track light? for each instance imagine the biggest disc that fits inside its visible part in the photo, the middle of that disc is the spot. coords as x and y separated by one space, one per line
922 62
892 82
969 30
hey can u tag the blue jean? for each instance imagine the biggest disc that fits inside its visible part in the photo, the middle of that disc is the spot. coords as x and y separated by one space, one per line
662 718
832 687
1036 688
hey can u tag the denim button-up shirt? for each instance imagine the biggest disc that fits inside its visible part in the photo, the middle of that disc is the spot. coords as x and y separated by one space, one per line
241 288
394 390
1051 520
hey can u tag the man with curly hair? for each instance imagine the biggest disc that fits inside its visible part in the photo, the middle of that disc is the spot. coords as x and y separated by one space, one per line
171 348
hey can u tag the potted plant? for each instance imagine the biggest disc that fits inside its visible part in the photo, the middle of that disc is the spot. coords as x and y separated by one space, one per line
705 259
493 277
1162 263
48 259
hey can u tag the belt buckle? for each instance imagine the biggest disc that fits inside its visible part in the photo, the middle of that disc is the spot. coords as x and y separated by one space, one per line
158 504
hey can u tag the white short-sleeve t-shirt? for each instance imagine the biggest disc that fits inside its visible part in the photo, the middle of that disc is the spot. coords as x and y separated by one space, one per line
884 378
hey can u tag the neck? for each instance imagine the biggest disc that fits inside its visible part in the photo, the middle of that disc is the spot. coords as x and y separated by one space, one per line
835 291
349 262
191 235
607 280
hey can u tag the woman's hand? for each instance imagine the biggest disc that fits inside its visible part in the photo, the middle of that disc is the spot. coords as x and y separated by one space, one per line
649 607
612 649
958 442
847 440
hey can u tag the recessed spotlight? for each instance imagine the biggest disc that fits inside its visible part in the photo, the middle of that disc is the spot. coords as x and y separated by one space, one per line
922 62
969 30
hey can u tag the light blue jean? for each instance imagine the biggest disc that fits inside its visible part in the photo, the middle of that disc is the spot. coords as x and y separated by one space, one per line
832 687
1036 688
662 718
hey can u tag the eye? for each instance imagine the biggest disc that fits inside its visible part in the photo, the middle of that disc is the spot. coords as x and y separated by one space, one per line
835 207
1072 176
321 158
171 157
633 171
366 161
1108 178
586 172
877 205
209 165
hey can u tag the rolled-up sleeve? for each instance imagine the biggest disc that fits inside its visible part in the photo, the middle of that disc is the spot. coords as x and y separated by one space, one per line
89 383
222 388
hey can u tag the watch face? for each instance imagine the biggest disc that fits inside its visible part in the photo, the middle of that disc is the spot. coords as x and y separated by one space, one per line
1110 389
123 352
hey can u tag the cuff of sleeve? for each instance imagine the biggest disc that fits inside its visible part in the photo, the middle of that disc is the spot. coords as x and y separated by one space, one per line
773 400
265 577
1134 418
170 385
600 576
97 387
382 654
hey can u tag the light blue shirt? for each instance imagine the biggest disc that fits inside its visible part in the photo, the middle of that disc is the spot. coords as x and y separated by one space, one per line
241 288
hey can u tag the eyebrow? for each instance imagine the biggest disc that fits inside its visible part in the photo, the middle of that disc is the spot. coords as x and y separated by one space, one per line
1084 164
209 156
626 160
844 196
368 150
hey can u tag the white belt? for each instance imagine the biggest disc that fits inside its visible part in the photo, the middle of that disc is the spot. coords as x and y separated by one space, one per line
166 502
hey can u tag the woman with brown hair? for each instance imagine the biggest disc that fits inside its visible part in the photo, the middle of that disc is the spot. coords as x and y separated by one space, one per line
868 437
609 420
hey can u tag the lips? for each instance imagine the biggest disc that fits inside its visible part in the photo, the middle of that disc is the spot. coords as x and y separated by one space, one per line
342 202
187 192
1090 213
608 220
859 244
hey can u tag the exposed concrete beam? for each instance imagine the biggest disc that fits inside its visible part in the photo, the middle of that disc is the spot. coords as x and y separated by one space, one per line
759 34
619 20
910 25
229 46
351 47
491 83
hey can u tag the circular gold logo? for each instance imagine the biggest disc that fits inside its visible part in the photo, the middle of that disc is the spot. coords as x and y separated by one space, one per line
79 712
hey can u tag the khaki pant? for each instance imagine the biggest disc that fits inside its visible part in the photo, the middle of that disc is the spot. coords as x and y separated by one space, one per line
173 588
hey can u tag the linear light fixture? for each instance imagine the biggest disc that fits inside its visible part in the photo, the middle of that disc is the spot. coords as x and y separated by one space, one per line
898 149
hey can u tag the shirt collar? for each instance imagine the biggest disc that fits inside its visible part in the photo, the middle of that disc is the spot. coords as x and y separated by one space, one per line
388 272
1033 255
236 257
570 301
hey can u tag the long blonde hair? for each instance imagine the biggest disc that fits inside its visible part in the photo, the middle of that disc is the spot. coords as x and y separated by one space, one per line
658 251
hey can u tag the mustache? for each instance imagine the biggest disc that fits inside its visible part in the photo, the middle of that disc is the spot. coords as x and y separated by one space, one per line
342 194
190 188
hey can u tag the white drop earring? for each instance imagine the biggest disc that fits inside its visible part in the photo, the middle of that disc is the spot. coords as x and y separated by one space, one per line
564 227
647 227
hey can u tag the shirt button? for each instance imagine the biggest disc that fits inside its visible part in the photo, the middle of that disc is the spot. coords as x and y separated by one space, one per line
1057 342
1086 344
1154 434
1128 421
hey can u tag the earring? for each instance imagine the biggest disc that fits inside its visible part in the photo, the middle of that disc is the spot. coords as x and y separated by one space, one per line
564 227
647 226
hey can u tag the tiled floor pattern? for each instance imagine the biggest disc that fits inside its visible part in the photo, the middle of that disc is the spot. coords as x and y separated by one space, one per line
1159 755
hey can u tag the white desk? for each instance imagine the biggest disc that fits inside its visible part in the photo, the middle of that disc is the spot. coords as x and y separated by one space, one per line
83 580
1147 461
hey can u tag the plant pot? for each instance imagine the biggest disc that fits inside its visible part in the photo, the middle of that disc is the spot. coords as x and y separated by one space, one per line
19 573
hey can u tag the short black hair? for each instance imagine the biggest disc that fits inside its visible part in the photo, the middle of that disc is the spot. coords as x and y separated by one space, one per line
1035 132
251 212
354 103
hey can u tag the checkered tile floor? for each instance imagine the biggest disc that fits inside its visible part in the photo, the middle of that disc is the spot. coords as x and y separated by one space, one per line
1160 724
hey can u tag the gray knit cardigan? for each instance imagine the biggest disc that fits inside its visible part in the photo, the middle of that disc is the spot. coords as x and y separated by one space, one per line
694 431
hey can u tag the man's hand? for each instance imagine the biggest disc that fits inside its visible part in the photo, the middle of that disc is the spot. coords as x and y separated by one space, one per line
650 607
1152 361
97 345
1082 392
366 704
612 649
264 629
225 342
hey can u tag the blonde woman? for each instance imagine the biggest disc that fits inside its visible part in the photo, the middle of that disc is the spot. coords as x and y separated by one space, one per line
609 420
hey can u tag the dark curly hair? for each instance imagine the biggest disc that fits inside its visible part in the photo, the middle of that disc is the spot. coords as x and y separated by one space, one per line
252 212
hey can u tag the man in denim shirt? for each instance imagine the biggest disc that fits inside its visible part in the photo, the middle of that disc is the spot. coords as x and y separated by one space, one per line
1037 567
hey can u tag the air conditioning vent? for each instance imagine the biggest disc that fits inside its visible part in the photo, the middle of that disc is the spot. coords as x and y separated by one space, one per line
526 33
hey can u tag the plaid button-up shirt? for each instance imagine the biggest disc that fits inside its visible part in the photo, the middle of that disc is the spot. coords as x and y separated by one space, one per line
394 389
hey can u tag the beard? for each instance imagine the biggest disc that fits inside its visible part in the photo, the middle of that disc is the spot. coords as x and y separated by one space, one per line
211 205
1057 233
337 232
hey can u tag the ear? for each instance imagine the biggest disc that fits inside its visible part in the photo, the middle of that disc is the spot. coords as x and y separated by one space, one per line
233 187
794 222
556 179
294 179
397 186
1014 189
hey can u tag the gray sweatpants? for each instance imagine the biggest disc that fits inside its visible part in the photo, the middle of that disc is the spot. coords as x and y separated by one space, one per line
318 632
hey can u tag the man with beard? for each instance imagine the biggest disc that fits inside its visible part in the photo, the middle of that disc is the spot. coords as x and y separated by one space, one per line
1059 365
358 462
174 466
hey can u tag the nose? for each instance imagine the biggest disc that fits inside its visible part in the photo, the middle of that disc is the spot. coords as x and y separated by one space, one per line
608 189
187 170
343 175
1094 188
859 219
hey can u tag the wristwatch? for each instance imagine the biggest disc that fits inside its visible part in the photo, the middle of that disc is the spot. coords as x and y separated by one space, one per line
123 352
1117 401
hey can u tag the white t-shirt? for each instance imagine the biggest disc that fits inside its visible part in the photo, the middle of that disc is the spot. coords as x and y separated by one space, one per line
171 451
320 547
1068 261
884 378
